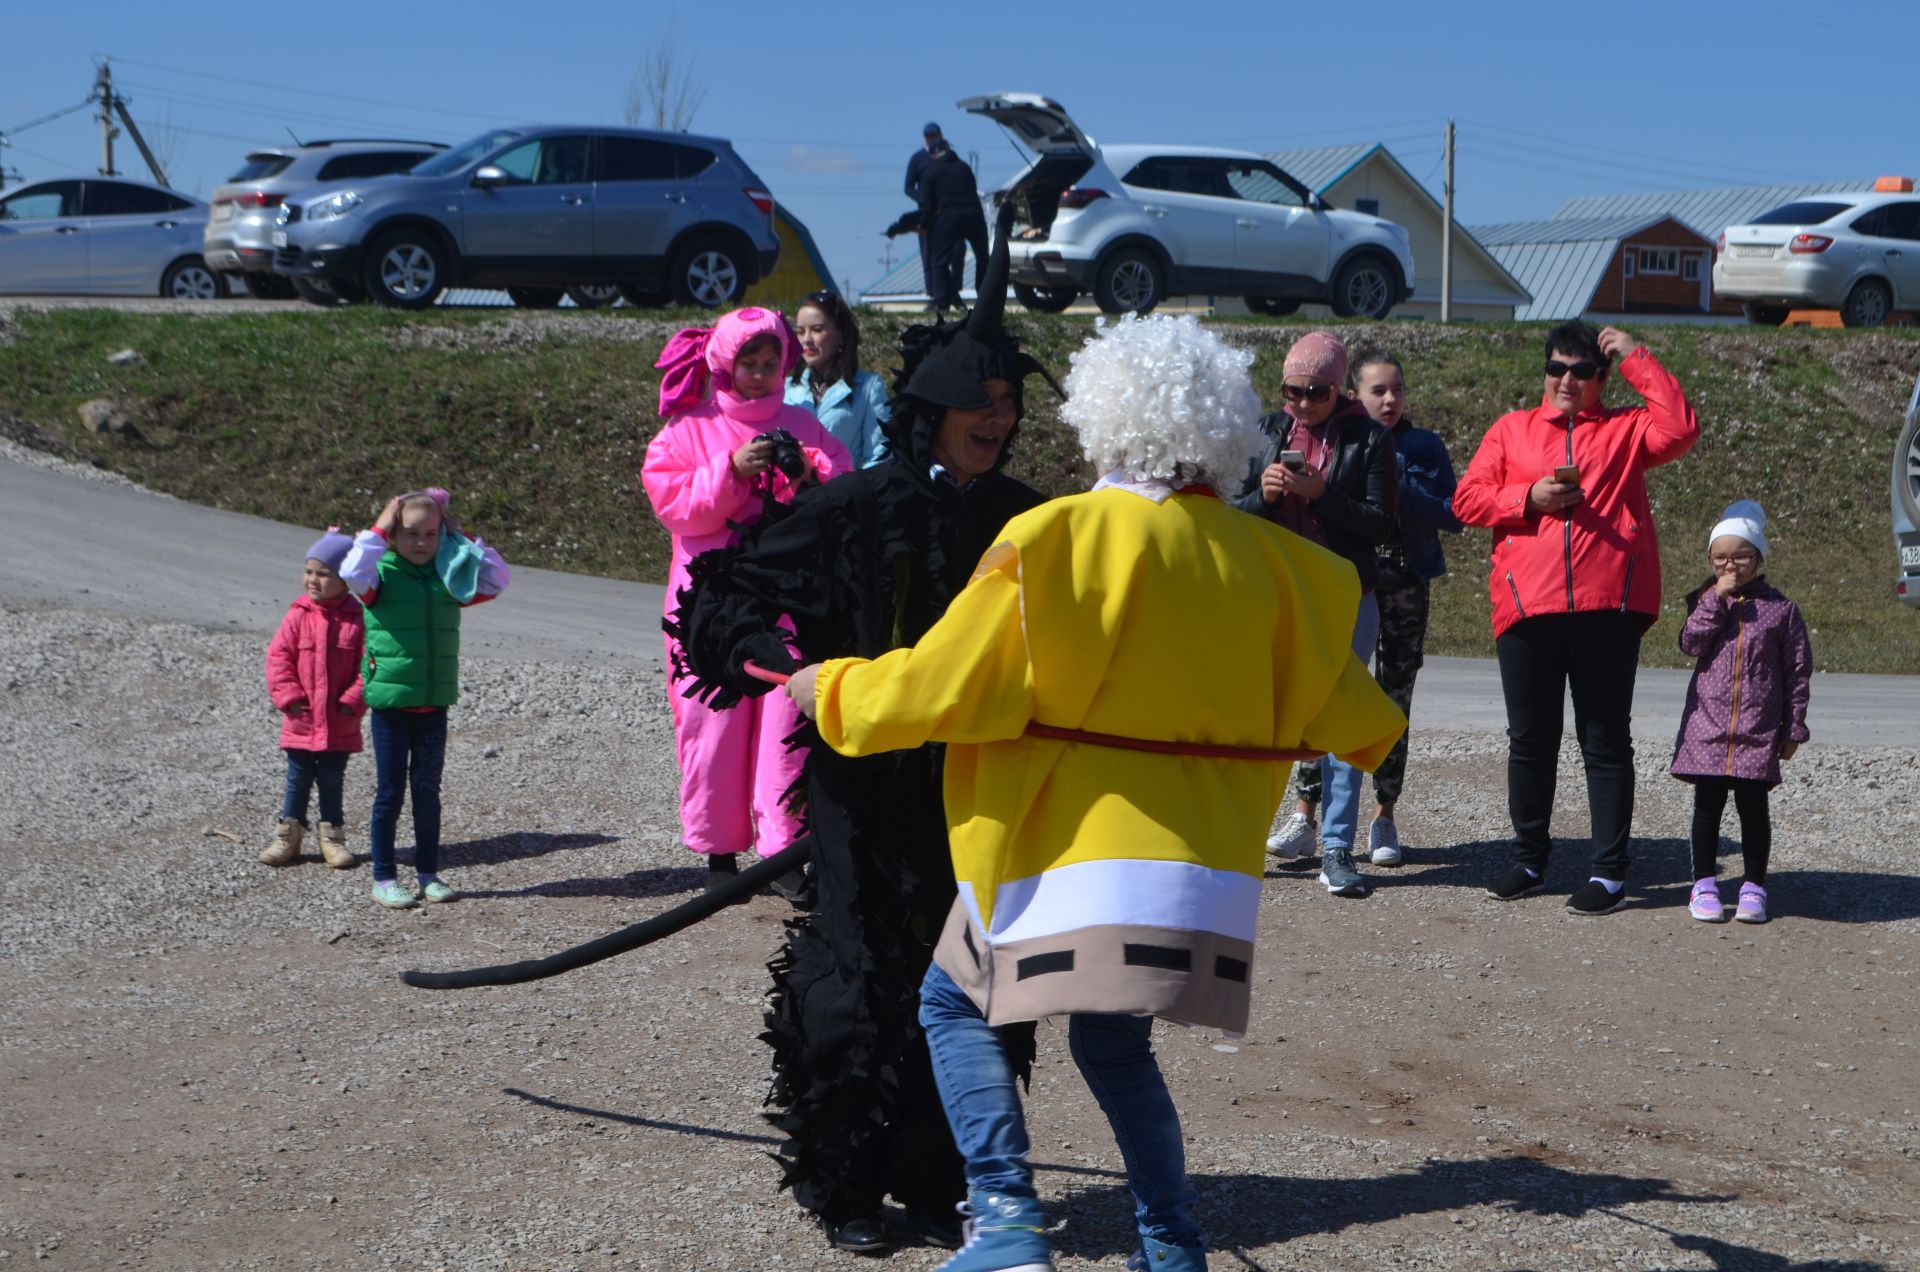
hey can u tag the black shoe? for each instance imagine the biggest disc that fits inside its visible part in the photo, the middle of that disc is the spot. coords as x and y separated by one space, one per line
722 869
935 1228
1593 897
1517 882
861 1235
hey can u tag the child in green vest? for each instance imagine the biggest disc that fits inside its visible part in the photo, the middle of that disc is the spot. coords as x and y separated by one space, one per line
414 571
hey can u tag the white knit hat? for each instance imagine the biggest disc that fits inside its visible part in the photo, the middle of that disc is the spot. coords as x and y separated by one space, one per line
1743 519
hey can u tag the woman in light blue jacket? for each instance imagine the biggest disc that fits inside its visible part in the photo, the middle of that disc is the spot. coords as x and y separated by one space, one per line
850 403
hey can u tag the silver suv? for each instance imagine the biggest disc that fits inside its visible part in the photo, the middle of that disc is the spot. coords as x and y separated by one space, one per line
537 210
1134 224
239 234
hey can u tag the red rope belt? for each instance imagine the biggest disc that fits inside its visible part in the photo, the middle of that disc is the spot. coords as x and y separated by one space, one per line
1201 750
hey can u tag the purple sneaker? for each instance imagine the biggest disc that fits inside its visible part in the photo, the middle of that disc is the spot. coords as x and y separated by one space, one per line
1705 904
1753 904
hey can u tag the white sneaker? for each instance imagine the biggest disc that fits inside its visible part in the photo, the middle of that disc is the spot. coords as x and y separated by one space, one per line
1383 838
1295 838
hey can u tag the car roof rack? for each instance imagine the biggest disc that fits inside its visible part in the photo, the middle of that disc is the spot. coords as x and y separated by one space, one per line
375 141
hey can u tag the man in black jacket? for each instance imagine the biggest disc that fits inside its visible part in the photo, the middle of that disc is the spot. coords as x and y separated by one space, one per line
916 169
950 209
1328 473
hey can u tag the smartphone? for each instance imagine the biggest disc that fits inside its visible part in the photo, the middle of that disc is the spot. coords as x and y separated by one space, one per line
1567 475
1293 459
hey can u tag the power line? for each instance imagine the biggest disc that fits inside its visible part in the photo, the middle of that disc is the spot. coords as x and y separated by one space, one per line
303 92
1648 171
1691 165
46 119
276 114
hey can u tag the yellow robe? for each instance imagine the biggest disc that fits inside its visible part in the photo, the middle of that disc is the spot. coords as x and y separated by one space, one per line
1094 878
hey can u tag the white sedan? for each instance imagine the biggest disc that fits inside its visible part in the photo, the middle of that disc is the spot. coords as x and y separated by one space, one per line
1855 252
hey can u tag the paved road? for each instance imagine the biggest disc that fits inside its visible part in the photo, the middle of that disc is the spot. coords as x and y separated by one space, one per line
92 544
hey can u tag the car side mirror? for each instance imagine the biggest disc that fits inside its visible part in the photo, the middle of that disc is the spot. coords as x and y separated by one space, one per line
487 176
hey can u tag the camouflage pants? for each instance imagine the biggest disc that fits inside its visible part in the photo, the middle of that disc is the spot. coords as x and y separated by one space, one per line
1397 659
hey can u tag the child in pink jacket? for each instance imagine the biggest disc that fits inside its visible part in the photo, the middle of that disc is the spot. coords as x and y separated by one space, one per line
313 674
713 464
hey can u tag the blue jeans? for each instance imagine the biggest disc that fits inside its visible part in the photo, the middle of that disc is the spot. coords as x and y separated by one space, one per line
1115 1056
409 750
1338 779
307 769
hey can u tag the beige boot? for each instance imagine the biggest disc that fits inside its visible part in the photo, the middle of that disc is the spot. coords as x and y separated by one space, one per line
286 843
333 846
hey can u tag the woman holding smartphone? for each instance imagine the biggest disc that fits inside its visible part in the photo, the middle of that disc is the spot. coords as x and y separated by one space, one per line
1327 474
1575 584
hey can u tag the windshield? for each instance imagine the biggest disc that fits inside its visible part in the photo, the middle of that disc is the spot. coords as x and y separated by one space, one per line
1808 213
462 155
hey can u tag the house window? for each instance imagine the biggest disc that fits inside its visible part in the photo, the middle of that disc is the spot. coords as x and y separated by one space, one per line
1658 260
1690 268
1370 206
1626 265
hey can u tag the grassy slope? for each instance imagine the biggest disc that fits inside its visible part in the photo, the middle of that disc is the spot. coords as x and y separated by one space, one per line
539 429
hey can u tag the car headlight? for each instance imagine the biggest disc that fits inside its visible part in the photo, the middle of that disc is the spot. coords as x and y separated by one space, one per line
1398 230
335 208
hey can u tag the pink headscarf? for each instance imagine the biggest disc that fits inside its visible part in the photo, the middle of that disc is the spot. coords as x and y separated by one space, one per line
696 355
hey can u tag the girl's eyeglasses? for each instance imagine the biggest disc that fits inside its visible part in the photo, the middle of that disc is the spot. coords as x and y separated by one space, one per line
1315 393
1738 559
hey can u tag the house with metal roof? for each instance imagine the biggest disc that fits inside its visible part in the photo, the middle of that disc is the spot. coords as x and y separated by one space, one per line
1367 177
1364 177
1705 212
1606 265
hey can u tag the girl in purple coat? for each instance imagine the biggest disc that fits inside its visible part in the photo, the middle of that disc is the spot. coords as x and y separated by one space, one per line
1746 708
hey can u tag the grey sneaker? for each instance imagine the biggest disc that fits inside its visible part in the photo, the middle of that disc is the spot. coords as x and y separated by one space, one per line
1337 872
1383 838
1293 839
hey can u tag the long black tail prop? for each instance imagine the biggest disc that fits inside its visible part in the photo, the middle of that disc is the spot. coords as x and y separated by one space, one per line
646 932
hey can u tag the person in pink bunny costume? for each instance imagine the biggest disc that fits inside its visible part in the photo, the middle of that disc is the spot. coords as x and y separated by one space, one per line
717 460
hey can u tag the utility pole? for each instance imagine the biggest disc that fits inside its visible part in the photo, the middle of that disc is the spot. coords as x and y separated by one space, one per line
1446 237
103 89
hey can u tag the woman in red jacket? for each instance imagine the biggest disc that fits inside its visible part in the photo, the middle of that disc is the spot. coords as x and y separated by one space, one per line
1575 584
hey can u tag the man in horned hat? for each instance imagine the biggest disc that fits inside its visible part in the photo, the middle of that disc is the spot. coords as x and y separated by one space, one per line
864 564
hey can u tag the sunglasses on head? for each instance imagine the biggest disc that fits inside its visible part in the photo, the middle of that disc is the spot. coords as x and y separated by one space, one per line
1306 392
1580 370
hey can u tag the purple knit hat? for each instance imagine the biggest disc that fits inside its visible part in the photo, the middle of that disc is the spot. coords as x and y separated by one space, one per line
1320 355
330 549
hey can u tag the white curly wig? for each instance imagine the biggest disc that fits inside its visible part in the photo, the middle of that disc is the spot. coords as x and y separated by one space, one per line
1164 399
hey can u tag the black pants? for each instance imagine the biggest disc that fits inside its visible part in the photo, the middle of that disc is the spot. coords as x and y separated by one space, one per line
1595 655
1397 659
1756 824
953 233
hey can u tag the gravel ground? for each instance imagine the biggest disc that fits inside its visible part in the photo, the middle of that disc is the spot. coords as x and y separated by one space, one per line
212 1064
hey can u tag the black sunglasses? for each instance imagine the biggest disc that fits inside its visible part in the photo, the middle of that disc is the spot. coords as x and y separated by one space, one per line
1315 393
1580 370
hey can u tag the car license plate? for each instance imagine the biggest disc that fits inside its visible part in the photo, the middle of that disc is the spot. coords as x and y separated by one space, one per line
223 211
279 238
1754 249
1910 555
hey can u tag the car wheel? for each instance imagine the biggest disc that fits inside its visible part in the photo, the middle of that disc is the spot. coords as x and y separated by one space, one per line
405 269
1271 306
642 297
1867 304
535 297
263 286
1129 281
593 295
707 274
1907 469
1045 300
1364 288
191 278
1764 315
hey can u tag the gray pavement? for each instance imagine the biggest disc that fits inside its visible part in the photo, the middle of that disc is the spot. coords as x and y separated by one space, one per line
88 544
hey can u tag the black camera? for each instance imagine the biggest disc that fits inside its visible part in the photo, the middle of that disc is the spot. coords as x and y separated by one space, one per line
786 453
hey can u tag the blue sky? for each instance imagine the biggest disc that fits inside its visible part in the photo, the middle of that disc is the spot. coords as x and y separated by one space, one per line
826 101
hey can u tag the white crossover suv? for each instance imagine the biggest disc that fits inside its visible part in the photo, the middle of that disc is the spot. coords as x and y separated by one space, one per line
1134 224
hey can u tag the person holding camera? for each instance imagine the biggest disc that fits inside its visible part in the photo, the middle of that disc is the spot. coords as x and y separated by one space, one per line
1328 474
1575 584
729 446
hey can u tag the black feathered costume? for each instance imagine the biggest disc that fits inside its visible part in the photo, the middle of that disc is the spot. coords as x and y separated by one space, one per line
862 565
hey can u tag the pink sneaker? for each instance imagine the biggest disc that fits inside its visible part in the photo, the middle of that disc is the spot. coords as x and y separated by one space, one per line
1705 904
1753 904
